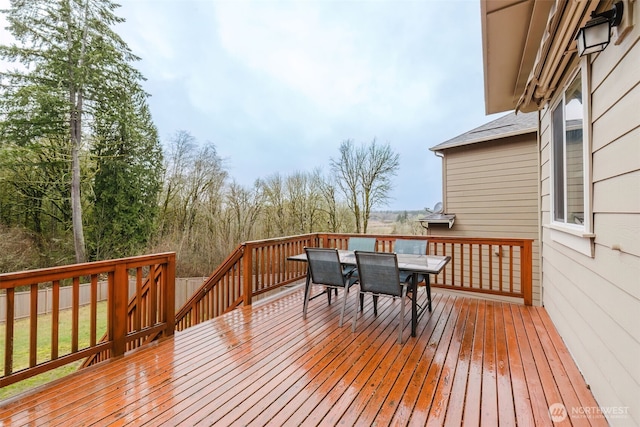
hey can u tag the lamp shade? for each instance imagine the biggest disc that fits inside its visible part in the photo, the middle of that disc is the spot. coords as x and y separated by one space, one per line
594 36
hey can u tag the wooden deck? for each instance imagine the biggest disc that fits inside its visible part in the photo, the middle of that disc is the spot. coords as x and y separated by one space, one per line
474 362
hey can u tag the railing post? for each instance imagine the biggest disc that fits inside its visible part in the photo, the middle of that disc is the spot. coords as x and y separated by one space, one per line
118 312
526 264
170 295
247 274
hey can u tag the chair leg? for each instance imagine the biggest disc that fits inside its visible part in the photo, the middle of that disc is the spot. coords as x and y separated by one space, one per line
361 302
344 306
375 305
355 315
402 298
307 294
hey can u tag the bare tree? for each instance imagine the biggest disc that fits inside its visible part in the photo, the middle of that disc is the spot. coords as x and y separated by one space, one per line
379 166
243 207
346 169
329 200
178 158
304 202
274 215
363 175
194 175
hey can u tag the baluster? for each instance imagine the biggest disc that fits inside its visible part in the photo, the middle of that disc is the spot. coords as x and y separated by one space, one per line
75 314
33 325
94 310
55 319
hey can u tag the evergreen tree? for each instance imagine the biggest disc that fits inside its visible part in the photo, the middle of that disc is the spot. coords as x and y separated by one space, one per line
72 67
127 180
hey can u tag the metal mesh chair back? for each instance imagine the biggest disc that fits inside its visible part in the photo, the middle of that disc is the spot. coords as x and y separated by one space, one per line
325 267
406 246
378 272
362 244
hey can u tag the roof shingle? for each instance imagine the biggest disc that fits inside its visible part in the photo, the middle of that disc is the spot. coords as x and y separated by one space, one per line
508 125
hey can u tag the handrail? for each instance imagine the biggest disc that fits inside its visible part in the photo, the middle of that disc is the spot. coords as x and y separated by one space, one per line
155 314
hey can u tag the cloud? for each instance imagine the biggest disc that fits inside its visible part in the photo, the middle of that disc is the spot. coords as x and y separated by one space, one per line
277 85
288 43
339 62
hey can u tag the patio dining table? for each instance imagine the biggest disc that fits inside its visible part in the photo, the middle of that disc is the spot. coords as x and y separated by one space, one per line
417 265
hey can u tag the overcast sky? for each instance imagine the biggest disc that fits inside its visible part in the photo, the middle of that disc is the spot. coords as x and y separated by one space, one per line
278 85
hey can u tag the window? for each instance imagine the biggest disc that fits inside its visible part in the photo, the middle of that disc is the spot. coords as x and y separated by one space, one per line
568 157
570 149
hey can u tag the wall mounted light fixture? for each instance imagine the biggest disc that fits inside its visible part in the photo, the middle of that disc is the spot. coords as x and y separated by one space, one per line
596 34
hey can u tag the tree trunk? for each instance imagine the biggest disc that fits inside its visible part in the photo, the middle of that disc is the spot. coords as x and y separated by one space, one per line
75 123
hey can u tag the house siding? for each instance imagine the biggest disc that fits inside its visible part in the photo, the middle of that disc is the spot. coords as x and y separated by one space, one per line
492 188
594 302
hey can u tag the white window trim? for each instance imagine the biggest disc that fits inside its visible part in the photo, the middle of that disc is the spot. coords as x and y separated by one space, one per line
581 244
577 237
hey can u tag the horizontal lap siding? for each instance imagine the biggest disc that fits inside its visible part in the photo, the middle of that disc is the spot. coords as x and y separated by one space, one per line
594 302
492 188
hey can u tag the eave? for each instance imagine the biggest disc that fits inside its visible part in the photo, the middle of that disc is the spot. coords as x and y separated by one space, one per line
528 46
511 35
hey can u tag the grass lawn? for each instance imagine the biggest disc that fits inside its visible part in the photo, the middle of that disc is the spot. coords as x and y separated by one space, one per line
21 345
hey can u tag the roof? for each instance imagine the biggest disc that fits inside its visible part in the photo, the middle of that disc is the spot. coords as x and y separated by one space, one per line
509 125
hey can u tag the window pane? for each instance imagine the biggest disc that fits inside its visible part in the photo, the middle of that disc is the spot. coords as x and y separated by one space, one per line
558 163
574 153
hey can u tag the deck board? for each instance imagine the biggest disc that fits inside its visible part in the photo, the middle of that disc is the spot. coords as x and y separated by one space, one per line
474 362
435 414
452 414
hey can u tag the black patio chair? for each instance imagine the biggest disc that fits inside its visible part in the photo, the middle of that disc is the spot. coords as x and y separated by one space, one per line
379 276
367 244
413 247
361 244
325 269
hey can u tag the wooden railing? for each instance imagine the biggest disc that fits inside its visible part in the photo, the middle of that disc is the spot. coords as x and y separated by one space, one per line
137 313
252 269
154 314
490 266
484 265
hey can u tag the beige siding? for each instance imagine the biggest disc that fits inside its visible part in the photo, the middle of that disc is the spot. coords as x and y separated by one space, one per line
595 302
492 188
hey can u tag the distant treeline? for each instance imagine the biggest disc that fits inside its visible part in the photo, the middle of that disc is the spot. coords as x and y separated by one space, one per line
199 211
